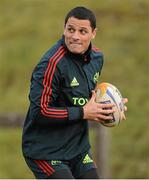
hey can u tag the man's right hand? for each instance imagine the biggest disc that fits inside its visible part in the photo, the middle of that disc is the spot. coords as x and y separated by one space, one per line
97 111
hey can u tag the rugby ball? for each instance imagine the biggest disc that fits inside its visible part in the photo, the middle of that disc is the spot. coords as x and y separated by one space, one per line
108 93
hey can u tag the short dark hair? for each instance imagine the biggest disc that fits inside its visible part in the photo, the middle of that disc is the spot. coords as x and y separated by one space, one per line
82 13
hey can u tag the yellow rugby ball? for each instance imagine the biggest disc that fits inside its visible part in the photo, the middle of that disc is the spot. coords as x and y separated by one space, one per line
108 93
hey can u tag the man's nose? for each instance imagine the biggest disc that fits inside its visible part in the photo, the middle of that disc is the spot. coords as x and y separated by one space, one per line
76 35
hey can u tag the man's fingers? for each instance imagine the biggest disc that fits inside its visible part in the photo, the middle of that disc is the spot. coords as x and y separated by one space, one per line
125 100
97 120
125 108
93 96
106 106
101 119
123 117
107 111
104 117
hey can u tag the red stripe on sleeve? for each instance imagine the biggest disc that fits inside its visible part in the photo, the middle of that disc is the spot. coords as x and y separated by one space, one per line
53 57
49 167
43 168
95 49
47 83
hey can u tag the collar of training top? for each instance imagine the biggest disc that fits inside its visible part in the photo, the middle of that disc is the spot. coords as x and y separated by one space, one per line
86 56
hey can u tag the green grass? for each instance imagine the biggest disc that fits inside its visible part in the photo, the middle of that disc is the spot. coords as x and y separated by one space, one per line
12 164
30 27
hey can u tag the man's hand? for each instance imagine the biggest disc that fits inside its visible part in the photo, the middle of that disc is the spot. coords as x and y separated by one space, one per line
97 111
125 100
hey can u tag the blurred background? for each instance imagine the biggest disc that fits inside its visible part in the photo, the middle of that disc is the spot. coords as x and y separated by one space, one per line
28 28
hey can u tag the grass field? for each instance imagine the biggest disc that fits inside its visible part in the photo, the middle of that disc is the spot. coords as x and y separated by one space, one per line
30 27
12 164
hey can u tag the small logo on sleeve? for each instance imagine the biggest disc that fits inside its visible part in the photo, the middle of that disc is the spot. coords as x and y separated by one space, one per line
55 162
96 76
87 159
74 82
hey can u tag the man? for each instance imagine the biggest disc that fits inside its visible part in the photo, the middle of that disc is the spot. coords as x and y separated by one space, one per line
62 100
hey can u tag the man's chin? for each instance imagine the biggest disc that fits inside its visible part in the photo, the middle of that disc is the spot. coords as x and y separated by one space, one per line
75 51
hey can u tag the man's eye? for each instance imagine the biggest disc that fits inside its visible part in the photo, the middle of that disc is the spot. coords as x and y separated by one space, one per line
83 31
71 30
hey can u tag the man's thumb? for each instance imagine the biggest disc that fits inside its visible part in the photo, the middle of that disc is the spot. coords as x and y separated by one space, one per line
93 97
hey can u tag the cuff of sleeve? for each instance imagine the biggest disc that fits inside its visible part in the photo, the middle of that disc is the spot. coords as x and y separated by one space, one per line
75 113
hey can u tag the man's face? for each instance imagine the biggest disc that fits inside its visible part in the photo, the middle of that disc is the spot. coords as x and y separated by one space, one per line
78 35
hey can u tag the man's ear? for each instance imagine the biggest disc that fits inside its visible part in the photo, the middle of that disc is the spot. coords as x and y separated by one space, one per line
94 33
64 31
